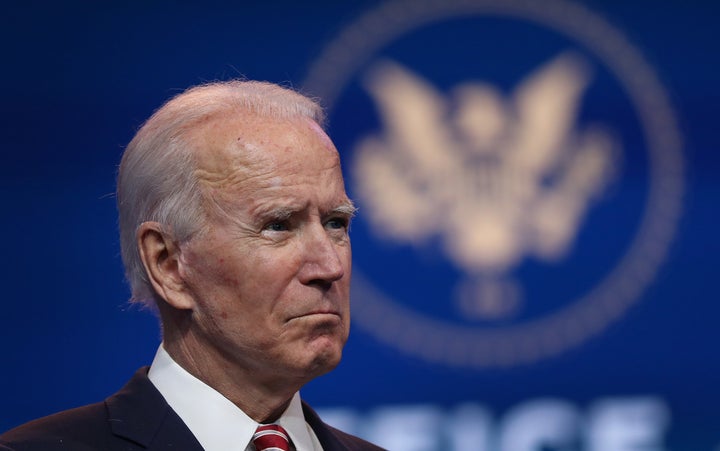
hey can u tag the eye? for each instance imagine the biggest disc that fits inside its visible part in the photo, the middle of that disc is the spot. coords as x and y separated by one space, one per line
337 223
277 226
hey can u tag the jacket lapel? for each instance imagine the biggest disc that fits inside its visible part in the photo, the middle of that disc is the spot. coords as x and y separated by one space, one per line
139 416
138 413
333 439
323 432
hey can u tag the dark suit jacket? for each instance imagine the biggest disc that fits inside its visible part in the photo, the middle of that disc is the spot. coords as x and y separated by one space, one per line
137 418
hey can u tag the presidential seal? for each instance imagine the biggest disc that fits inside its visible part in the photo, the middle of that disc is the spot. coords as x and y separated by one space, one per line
518 170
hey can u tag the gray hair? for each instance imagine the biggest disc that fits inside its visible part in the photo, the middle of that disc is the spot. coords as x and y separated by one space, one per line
156 179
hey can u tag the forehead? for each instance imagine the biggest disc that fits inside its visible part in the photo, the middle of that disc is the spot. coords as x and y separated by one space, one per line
240 147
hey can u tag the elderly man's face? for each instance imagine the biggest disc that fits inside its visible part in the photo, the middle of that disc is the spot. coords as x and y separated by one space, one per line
270 275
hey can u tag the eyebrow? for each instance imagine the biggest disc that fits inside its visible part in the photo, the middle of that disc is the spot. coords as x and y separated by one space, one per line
346 209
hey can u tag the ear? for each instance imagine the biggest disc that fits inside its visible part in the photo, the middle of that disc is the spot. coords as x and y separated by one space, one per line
161 257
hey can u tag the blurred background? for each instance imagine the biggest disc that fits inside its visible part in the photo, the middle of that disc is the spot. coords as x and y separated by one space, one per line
535 261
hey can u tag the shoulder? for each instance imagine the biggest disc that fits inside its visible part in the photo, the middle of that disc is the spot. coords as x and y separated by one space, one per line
133 414
351 442
333 439
82 428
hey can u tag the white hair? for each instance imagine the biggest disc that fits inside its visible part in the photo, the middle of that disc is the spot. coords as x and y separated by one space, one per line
156 179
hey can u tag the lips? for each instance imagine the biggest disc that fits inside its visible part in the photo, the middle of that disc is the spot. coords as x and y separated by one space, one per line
317 313
322 312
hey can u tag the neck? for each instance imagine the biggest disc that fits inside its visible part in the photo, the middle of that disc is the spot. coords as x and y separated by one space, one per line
263 397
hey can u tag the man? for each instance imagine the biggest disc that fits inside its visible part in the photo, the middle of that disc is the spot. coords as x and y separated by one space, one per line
234 226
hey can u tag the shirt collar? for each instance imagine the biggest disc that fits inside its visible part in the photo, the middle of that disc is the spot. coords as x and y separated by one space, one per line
217 423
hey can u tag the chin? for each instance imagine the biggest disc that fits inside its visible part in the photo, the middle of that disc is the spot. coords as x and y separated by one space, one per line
325 355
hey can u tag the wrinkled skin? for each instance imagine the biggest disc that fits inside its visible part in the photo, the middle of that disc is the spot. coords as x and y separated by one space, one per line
257 303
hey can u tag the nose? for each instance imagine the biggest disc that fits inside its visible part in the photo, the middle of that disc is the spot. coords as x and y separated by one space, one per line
324 258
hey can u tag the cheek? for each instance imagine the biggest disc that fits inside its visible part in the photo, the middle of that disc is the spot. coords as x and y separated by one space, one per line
214 283
215 266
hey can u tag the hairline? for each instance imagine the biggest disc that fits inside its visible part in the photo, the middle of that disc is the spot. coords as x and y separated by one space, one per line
176 128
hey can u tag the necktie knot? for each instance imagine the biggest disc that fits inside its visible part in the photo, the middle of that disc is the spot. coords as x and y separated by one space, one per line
271 437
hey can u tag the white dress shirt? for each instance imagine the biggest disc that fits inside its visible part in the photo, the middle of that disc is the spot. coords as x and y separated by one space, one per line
217 423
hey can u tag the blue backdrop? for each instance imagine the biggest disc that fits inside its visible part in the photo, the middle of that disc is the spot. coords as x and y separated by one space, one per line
600 355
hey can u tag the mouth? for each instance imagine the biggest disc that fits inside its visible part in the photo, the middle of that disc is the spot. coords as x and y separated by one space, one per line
318 314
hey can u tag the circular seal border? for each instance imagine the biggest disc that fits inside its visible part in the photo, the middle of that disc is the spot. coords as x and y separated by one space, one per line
462 346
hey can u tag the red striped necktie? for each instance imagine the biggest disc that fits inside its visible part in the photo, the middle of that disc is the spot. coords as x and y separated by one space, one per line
271 437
